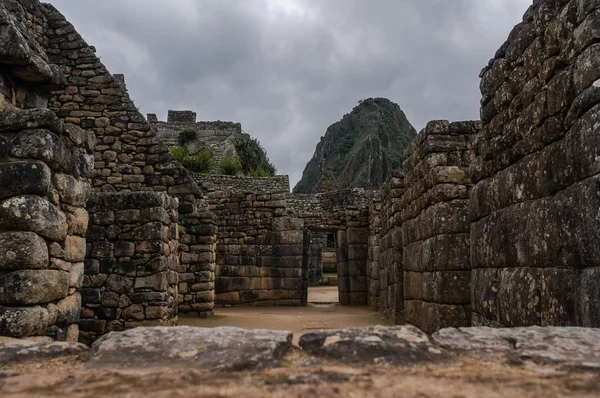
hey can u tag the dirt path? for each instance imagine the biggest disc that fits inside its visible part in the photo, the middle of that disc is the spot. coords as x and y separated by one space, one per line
323 294
296 319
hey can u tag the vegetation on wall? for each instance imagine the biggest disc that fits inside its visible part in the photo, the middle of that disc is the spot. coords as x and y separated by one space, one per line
187 136
231 165
200 162
253 157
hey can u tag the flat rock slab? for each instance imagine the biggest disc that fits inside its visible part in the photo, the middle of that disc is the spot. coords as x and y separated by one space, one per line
19 351
568 346
215 349
398 345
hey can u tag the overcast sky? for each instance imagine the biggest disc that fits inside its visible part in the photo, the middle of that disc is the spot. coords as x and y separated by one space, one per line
287 69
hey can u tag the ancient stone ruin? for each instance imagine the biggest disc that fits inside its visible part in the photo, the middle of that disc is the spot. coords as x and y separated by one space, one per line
492 222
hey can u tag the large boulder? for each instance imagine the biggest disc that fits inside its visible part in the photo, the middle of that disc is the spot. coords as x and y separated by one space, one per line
19 351
565 346
215 349
398 345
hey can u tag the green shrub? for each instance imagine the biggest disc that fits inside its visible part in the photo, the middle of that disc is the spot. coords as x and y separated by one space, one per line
187 136
231 165
200 162
260 172
179 152
252 155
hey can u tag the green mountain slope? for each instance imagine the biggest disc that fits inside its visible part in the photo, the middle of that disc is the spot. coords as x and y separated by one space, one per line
360 150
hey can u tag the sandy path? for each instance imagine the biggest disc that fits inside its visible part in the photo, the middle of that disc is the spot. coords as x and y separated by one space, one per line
299 320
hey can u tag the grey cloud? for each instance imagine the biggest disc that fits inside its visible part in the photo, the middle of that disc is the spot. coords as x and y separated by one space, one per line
286 76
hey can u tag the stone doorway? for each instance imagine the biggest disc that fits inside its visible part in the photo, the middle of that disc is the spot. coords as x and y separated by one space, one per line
334 266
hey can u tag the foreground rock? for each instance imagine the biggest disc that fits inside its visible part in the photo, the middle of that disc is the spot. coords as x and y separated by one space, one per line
213 349
400 345
20 351
568 346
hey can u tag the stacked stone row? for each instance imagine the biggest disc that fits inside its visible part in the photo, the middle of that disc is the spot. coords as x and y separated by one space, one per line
352 254
535 204
259 249
374 255
197 247
224 183
390 269
129 156
130 269
209 133
44 171
435 226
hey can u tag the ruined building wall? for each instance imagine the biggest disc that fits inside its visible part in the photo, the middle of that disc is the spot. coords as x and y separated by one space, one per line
389 267
131 268
374 255
534 236
435 226
211 183
210 133
44 171
259 249
346 213
26 74
129 157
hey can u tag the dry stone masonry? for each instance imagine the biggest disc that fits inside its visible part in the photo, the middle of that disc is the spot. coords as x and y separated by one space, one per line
534 206
131 268
491 223
389 270
435 226
44 186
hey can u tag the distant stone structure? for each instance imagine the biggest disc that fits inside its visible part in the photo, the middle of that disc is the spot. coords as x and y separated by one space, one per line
489 223
217 136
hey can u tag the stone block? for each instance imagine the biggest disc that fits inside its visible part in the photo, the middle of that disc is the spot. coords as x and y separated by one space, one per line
23 321
76 274
78 222
69 309
24 178
74 248
589 304
22 250
156 282
119 284
33 287
73 191
35 214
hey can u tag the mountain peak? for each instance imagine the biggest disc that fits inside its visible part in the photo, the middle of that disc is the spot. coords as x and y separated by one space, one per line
360 150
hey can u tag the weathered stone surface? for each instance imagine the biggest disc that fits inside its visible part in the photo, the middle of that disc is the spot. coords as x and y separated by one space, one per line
33 287
400 345
14 351
23 321
69 309
24 178
35 214
216 349
22 250
571 346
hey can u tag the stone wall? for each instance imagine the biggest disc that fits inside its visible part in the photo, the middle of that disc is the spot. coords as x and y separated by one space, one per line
534 237
209 133
223 183
374 255
259 249
197 265
346 213
44 171
132 261
389 267
26 74
435 226
129 156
